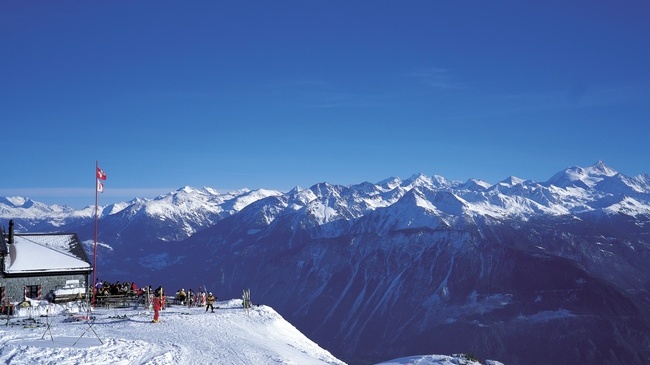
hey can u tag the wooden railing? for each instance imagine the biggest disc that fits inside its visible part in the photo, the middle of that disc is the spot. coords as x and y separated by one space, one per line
117 300
129 300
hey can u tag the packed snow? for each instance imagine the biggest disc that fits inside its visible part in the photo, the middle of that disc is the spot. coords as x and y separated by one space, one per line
74 333
56 334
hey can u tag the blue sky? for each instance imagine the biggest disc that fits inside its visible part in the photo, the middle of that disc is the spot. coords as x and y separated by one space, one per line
277 94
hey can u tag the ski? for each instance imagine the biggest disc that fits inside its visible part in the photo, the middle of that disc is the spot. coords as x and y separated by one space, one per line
246 297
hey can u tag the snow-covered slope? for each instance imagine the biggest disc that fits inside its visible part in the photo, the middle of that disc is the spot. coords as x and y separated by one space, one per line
183 336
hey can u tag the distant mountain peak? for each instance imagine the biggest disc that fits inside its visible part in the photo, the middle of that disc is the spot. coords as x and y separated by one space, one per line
421 179
600 168
390 183
584 177
476 184
186 189
17 201
512 181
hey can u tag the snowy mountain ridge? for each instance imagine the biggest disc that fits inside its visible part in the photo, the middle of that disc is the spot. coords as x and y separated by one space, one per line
576 190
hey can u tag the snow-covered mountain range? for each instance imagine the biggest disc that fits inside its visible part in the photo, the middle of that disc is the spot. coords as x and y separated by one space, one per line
520 271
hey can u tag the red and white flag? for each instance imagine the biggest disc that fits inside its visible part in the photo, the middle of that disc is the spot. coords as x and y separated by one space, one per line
100 186
100 174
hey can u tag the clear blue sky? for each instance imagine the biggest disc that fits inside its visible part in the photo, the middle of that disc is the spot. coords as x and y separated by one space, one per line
277 94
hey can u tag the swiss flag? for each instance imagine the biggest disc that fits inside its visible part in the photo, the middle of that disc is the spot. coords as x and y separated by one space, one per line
100 174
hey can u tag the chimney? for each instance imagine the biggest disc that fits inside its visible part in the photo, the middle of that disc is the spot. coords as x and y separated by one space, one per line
11 232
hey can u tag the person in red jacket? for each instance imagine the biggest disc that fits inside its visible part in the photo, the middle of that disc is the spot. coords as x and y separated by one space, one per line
157 303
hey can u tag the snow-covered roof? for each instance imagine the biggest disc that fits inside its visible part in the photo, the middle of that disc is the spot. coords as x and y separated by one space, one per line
45 252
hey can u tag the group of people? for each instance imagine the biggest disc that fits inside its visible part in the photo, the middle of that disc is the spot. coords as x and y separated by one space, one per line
184 298
105 288
157 297
198 299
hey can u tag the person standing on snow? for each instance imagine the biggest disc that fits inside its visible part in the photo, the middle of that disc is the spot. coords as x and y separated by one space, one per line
190 298
181 296
209 300
157 303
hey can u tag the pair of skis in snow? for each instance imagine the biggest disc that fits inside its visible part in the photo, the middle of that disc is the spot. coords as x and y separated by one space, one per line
246 298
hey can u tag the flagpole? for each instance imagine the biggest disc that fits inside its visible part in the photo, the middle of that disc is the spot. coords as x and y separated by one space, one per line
95 241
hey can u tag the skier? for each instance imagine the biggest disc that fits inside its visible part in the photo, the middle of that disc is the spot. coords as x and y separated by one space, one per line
181 296
190 298
210 299
157 300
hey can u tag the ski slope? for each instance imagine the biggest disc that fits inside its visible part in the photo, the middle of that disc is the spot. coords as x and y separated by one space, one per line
54 334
